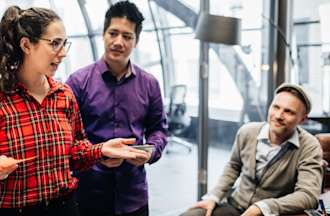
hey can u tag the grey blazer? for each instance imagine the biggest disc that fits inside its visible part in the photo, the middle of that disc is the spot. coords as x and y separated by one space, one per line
291 184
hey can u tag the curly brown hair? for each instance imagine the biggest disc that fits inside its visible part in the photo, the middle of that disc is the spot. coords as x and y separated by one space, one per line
15 24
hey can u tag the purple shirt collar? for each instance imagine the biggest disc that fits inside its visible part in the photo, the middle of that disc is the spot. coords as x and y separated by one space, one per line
103 68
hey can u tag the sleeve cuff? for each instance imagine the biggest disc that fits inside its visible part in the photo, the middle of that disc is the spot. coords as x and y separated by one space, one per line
265 208
211 197
96 152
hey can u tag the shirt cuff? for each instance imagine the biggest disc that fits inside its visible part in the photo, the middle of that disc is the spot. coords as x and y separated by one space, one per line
264 208
96 152
211 197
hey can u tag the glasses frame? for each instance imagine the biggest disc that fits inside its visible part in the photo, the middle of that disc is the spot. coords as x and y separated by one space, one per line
65 43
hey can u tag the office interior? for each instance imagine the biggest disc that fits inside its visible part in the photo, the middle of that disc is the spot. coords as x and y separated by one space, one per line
209 89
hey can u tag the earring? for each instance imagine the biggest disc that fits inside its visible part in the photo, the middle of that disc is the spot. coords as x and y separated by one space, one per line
13 67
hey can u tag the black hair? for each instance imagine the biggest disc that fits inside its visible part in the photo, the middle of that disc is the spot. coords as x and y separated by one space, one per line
15 24
128 10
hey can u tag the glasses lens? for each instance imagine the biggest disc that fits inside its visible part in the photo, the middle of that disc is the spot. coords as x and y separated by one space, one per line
66 46
58 45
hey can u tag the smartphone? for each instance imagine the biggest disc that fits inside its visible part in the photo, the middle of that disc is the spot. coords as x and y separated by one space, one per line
147 148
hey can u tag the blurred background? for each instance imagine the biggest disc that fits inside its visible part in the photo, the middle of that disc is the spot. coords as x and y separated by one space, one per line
280 41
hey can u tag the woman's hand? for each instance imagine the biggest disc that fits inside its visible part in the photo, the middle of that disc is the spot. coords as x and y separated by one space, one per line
118 148
7 166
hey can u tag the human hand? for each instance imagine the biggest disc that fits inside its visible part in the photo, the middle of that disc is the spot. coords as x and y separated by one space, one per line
140 160
7 166
208 205
118 148
253 210
112 162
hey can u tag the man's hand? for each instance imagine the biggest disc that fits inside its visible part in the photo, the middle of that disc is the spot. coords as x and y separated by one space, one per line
118 148
253 210
112 162
7 166
208 205
139 161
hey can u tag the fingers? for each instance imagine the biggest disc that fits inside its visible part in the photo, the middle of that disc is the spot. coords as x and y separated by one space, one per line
199 204
7 166
113 162
12 168
120 141
208 212
139 161
138 153
128 141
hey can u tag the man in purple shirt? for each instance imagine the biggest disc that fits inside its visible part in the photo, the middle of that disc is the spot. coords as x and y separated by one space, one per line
118 99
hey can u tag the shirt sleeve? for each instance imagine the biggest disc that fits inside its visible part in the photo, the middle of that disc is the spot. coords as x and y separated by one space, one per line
83 153
264 208
156 123
231 171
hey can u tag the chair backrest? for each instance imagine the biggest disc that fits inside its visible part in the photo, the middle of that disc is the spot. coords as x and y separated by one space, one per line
178 120
324 139
177 97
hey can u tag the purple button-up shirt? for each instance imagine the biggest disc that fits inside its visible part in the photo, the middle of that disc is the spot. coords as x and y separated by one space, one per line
132 107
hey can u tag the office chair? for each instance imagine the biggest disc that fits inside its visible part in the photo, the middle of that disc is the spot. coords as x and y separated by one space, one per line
178 120
324 139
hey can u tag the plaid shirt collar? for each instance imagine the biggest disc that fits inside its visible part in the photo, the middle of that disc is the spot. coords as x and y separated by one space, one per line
53 84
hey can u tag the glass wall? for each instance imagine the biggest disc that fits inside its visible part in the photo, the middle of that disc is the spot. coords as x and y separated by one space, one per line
237 74
311 36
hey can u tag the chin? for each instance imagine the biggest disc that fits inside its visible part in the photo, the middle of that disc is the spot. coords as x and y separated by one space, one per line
51 73
116 58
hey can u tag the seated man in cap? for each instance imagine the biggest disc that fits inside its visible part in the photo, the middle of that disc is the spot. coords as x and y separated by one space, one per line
278 162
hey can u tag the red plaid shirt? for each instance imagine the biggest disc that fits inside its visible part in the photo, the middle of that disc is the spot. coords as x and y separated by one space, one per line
53 132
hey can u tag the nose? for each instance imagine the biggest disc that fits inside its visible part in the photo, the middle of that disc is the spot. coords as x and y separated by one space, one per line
62 53
279 114
119 40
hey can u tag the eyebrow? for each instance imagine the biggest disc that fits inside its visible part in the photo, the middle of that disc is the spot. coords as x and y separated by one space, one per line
123 32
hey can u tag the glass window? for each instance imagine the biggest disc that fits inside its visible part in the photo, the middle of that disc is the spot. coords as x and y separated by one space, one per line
100 45
310 36
193 4
71 14
80 55
185 55
96 13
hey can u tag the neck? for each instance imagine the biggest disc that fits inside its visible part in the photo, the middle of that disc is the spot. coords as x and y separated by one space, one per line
278 139
118 70
33 82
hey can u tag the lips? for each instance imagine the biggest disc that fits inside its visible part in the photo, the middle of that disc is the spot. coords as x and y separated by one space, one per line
117 51
55 65
277 123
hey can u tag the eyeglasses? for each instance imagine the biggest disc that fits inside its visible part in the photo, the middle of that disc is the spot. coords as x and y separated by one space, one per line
58 44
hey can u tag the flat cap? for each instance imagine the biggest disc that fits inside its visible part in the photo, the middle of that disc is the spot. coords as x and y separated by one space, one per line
301 94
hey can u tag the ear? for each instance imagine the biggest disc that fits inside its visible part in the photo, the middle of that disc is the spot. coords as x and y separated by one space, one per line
26 45
305 117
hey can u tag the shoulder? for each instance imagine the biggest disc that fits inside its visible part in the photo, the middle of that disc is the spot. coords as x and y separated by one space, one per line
248 132
63 89
307 140
251 128
144 75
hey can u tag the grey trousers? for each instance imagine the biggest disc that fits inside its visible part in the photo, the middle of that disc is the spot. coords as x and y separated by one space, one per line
224 209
